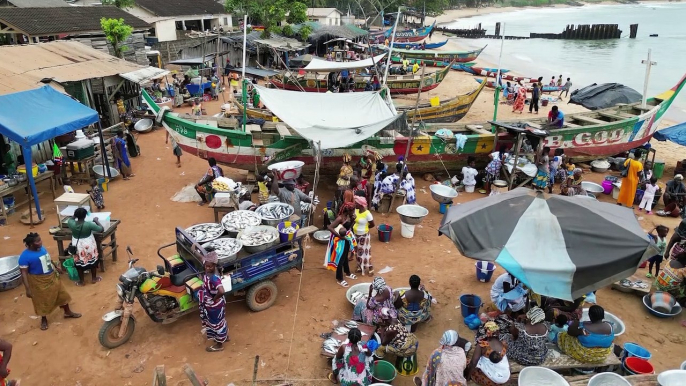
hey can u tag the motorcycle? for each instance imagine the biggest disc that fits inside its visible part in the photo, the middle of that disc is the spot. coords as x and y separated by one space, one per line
164 297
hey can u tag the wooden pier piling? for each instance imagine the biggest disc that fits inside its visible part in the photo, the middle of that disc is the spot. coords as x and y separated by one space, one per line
633 30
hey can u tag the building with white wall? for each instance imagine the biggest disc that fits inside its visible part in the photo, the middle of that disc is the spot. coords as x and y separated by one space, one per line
324 16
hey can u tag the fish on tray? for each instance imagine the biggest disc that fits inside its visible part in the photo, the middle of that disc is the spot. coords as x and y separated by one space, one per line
259 237
224 247
239 220
275 211
205 232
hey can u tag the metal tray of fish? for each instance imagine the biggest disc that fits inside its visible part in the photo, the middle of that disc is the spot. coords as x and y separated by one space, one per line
259 238
239 220
203 233
226 248
275 212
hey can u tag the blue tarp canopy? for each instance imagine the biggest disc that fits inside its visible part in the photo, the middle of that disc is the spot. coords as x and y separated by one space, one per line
676 133
34 116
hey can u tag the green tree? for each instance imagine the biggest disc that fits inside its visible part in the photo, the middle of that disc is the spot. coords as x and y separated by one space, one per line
119 3
116 31
304 32
287 31
269 13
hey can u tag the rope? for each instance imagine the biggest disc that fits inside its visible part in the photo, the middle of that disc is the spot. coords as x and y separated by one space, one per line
295 314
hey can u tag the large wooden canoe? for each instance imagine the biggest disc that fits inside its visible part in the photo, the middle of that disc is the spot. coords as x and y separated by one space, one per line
442 56
585 136
398 84
416 46
411 35
449 111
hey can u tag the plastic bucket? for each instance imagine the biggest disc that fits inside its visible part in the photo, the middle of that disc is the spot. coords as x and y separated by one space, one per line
444 208
406 230
634 350
71 270
8 201
469 188
385 231
286 237
384 372
469 304
102 183
658 168
638 366
607 187
484 271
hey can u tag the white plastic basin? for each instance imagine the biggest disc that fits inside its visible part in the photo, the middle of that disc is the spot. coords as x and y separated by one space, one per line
540 376
618 326
608 379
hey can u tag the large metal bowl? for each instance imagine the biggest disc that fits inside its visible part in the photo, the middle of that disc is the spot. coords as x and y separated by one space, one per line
442 194
100 171
618 326
647 302
591 187
262 209
143 126
286 170
412 214
261 247
230 221
322 237
8 285
223 249
9 265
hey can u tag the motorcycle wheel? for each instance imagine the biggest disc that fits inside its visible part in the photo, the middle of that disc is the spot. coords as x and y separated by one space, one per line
261 295
109 332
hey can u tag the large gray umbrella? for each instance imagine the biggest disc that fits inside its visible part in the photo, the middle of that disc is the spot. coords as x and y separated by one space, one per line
558 246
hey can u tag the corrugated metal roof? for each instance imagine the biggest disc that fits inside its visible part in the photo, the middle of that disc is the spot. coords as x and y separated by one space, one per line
145 74
23 66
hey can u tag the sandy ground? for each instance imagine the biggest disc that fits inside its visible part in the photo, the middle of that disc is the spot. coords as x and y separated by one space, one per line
286 340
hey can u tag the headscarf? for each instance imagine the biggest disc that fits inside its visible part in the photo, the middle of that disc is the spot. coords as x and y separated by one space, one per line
535 315
577 170
491 328
211 257
379 283
449 338
345 207
361 201
678 177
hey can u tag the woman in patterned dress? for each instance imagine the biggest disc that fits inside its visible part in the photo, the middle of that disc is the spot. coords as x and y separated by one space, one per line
396 340
489 365
526 342
352 364
588 342
364 221
414 305
376 308
446 364
212 304
86 256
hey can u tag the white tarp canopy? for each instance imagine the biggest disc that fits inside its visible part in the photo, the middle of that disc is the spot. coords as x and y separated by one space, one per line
334 119
320 65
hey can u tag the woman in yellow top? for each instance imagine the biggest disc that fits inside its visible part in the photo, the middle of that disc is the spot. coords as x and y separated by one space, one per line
630 182
363 222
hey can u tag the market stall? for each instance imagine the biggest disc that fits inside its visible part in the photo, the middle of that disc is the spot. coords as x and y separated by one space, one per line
16 109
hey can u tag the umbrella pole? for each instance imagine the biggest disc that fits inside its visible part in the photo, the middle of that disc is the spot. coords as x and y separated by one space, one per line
518 145
409 139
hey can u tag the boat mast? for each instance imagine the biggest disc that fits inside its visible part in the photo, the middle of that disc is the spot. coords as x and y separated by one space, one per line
497 79
648 63
245 87
390 50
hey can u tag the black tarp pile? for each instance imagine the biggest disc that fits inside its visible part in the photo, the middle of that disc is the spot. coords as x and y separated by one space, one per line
595 96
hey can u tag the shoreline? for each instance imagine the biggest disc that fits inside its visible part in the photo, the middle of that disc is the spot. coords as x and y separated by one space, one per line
455 14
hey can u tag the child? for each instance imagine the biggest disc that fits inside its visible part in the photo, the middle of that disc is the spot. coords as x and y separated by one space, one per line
557 327
176 149
649 195
661 243
570 167
263 189
245 203
329 215
6 354
96 195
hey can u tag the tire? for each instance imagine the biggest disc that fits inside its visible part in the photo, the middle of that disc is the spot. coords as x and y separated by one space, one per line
262 296
109 330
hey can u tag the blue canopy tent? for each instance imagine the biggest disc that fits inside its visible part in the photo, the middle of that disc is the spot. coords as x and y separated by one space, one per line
34 116
676 134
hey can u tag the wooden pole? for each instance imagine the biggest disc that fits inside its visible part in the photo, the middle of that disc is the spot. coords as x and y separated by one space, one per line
191 375
159 378
648 63
257 358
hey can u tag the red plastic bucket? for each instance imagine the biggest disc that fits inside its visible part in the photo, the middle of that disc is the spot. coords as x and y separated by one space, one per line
638 366
385 231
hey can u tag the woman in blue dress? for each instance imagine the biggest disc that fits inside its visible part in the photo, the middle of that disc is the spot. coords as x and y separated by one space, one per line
121 155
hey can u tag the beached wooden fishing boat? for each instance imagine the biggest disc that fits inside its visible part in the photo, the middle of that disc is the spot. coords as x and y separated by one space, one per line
411 35
416 46
584 136
444 56
484 71
254 112
448 111
529 87
432 63
398 84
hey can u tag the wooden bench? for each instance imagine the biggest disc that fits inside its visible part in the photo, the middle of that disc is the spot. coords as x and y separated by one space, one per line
589 120
282 129
572 125
478 130
252 129
611 116
556 360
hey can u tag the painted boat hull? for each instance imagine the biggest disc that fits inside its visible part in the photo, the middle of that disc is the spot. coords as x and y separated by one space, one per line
491 84
411 35
427 46
427 153
449 111
397 85
444 56
433 63
485 71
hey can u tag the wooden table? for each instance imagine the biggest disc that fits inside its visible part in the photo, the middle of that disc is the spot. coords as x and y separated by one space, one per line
84 165
367 329
638 291
65 235
22 186
227 204
556 360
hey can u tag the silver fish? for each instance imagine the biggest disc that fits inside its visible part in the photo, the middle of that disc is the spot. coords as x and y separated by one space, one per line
351 323
257 237
224 247
275 211
205 232
239 220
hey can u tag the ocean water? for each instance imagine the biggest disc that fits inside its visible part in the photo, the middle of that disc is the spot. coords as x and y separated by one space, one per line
592 61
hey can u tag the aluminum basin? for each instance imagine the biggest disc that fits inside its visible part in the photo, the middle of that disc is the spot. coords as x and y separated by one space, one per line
412 214
442 194
9 265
